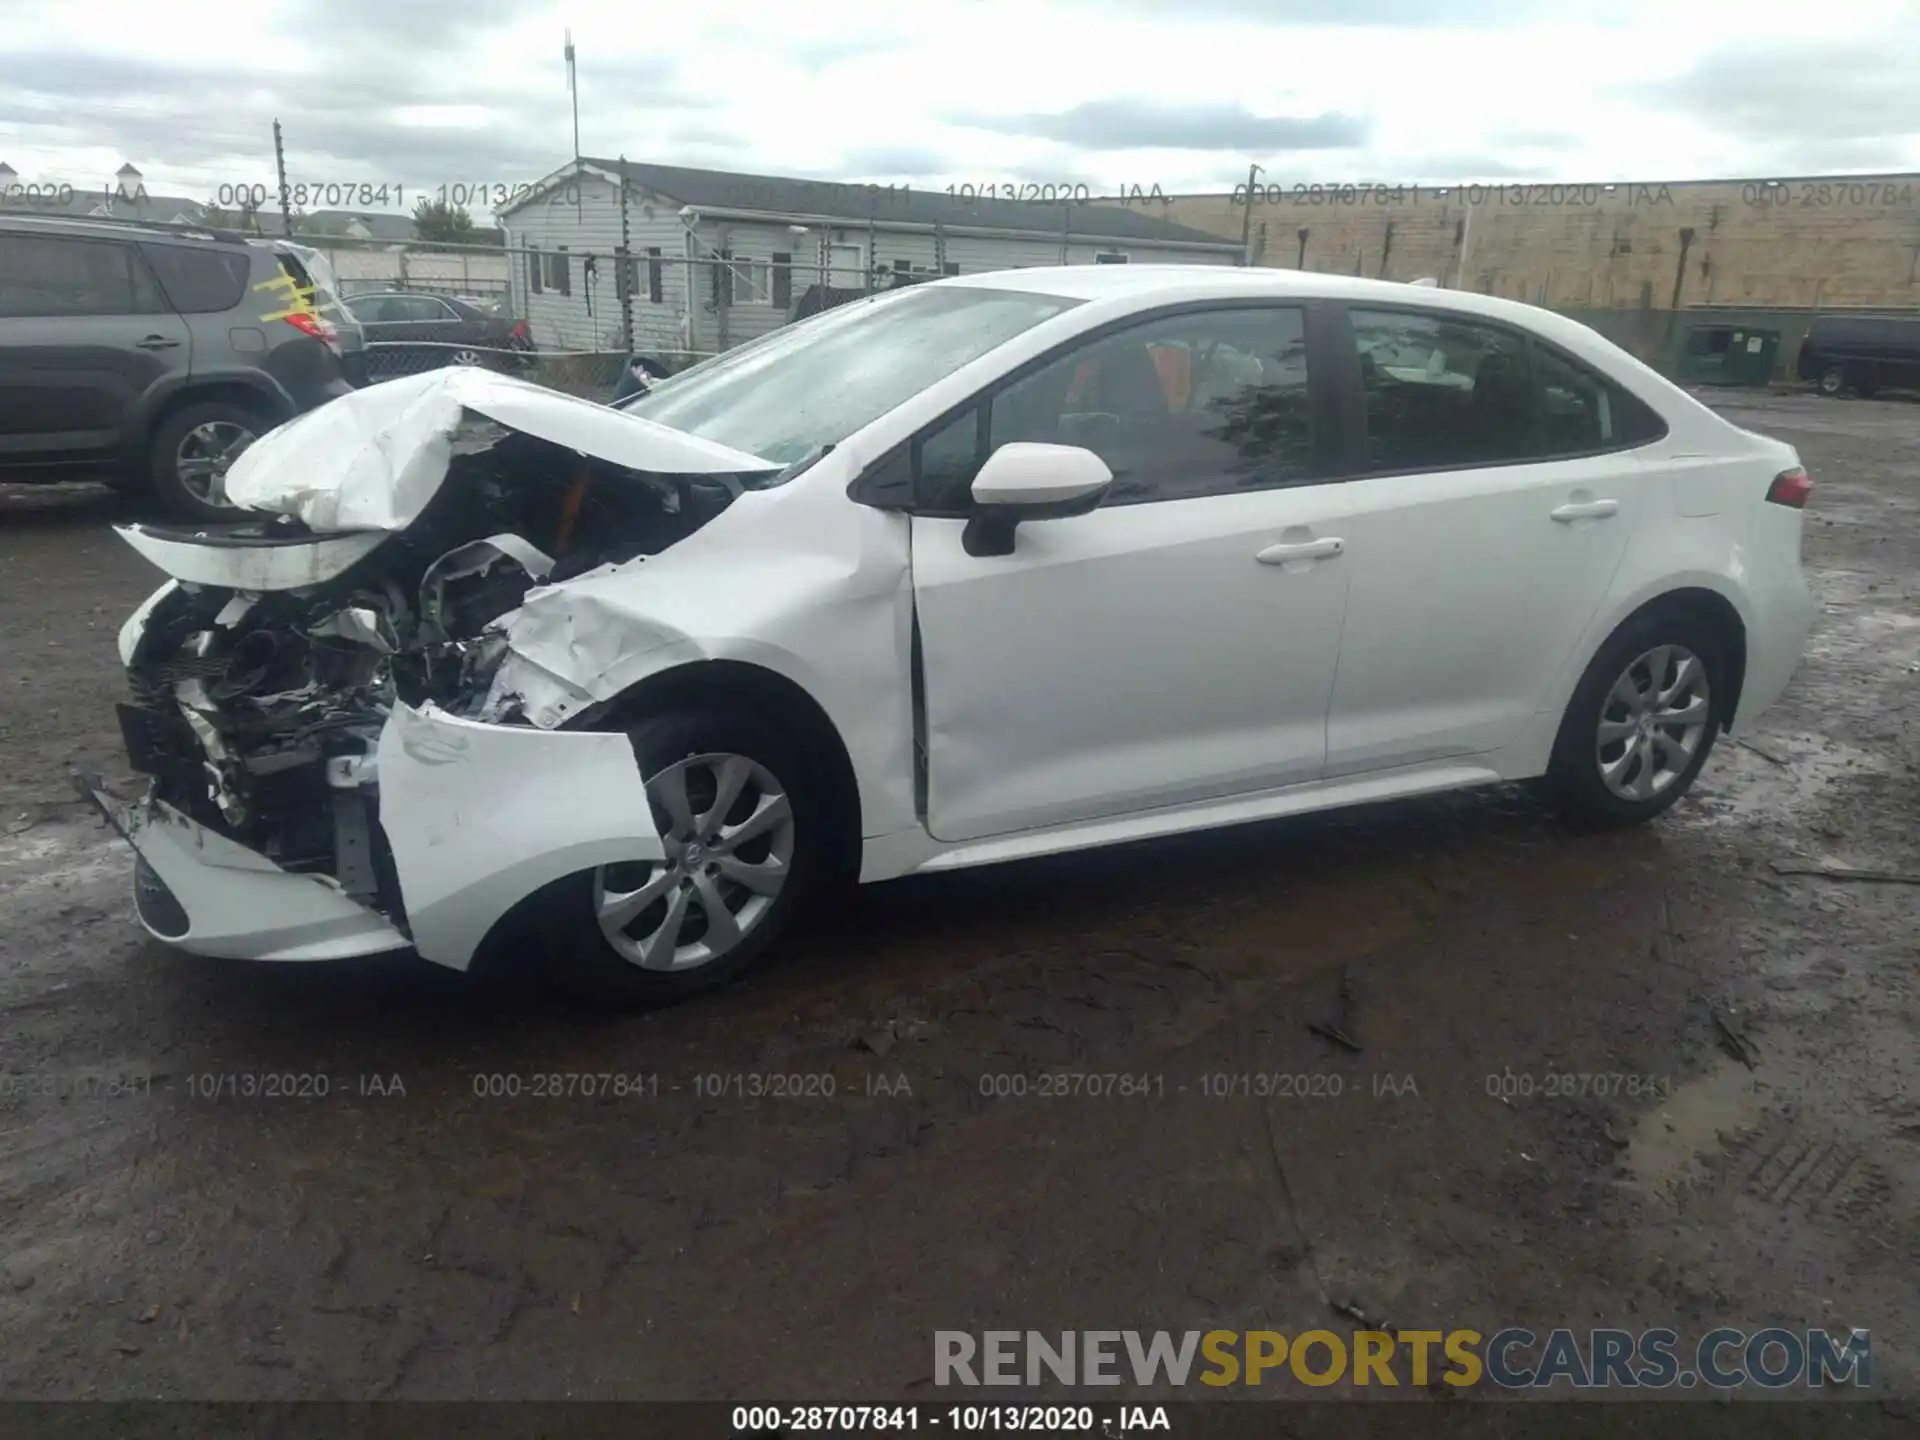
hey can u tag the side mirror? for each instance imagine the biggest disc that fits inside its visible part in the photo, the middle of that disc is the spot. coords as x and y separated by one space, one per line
1023 480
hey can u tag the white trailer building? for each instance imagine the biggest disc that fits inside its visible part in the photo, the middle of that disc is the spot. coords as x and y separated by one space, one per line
712 258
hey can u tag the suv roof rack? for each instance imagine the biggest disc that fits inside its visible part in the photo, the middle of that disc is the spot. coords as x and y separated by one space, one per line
132 222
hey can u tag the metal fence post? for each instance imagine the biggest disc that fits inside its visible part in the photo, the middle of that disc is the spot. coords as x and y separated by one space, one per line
623 262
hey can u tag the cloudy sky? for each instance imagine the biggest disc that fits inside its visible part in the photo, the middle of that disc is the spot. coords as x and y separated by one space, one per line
1115 94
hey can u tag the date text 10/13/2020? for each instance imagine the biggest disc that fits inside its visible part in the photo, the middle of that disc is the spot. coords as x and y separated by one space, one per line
840 198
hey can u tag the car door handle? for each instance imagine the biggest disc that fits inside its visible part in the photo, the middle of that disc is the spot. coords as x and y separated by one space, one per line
1301 550
1586 510
156 342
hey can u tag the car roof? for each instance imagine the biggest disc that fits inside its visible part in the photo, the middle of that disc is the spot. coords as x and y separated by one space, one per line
1123 288
118 227
1171 284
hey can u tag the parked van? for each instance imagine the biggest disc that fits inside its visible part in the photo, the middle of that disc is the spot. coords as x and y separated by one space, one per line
1861 353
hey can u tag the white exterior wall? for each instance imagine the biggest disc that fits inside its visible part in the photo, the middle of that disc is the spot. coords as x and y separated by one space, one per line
590 317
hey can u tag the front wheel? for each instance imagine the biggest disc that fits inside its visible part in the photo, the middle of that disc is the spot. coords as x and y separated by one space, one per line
738 812
1641 721
1833 380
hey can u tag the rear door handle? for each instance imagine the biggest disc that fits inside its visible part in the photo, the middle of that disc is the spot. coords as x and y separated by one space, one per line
1302 550
1586 510
156 342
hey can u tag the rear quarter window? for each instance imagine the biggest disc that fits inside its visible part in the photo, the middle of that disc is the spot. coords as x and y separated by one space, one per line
200 281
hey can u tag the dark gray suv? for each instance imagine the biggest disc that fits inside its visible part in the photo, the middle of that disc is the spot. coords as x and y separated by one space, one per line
153 354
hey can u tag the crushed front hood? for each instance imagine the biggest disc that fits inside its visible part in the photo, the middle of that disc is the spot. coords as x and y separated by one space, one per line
370 461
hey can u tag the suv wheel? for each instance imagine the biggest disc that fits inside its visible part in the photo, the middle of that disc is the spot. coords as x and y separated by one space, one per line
1833 380
740 812
192 450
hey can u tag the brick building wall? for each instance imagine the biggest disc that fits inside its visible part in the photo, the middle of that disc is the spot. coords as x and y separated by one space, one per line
1825 243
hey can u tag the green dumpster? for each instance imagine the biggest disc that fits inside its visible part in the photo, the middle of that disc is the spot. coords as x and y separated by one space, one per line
1729 355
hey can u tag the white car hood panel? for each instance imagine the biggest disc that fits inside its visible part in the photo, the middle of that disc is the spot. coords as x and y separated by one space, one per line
370 461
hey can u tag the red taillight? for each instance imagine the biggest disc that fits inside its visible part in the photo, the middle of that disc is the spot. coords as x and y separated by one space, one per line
317 326
1790 488
520 331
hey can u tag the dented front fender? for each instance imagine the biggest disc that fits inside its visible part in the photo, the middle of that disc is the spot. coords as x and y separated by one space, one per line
480 816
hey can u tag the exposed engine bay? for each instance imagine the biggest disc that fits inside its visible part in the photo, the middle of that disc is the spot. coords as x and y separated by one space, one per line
258 711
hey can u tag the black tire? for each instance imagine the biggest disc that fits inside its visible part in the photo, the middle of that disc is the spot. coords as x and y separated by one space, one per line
1833 381
577 959
1573 783
169 487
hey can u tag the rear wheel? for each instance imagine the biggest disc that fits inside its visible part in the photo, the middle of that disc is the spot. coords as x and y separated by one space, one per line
739 814
193 448
1641 722
1833 380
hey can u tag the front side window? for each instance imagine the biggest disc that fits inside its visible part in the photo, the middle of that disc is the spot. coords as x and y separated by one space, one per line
1188 405
1442 392
811 384
55 275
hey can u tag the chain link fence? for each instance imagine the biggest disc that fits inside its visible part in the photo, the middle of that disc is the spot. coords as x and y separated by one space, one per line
590 374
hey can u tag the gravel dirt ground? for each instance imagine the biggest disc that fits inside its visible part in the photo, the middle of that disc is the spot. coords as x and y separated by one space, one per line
409 1235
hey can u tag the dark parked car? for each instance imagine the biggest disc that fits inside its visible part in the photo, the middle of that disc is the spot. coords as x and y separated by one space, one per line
1861 353
149 353
411 332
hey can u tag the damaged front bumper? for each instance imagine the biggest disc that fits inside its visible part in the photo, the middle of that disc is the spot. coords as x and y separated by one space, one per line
212 896
476 817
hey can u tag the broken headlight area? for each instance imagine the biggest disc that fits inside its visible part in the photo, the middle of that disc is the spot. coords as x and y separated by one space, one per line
258 711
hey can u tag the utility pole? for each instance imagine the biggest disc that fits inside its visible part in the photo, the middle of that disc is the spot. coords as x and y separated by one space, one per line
280 171
1246 221
573 87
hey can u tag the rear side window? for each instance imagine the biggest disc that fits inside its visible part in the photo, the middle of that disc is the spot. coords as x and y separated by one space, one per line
315 279
200 281
54 275
1442 392
418 307
1581 413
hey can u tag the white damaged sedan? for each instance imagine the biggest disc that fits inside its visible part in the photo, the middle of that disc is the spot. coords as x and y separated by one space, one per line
987 568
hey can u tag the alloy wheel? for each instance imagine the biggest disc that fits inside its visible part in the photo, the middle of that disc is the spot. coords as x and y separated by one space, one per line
205 454
1653 722
466 357
728 828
